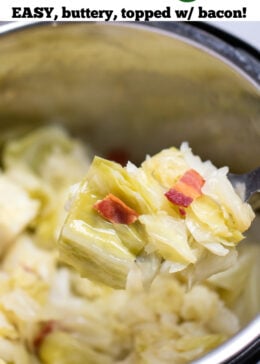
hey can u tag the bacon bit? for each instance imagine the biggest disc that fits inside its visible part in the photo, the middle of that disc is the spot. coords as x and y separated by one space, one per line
187 189
178 198
182 211
115 210
190 184
119 155
46 329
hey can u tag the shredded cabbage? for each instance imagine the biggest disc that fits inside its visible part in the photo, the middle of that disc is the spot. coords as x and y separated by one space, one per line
184 236
45 163
49 314
17 210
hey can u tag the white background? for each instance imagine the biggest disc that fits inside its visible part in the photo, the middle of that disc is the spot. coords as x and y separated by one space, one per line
248 31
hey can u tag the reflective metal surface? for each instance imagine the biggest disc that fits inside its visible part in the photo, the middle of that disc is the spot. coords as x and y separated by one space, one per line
127 85
141 87
237 349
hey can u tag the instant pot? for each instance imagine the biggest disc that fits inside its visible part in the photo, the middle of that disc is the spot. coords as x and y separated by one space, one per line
143 87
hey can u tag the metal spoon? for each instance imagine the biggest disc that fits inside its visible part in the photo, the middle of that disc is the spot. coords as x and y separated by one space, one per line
246 184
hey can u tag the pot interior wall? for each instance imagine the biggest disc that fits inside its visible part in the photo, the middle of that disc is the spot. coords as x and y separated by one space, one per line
120 85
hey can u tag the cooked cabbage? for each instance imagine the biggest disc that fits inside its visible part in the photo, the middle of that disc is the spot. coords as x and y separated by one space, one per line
17 210
49 314
120 214
37 162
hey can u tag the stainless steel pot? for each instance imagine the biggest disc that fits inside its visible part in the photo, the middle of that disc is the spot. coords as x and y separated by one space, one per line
141 86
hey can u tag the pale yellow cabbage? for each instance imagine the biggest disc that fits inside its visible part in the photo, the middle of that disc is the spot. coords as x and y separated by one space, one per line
182 240
45 163
49 314
17 210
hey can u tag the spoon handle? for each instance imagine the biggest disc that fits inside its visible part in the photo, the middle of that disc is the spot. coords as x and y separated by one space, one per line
249 183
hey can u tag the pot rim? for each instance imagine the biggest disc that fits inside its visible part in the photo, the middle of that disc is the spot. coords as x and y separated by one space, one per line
236 53
236 349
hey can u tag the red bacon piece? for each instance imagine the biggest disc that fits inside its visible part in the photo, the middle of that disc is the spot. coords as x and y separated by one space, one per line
115 210
187 189
190 184
45 330
178 198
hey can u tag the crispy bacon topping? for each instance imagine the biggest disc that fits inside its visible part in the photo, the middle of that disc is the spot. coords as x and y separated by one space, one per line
178 198
115 210
187 189
190 184
45 330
